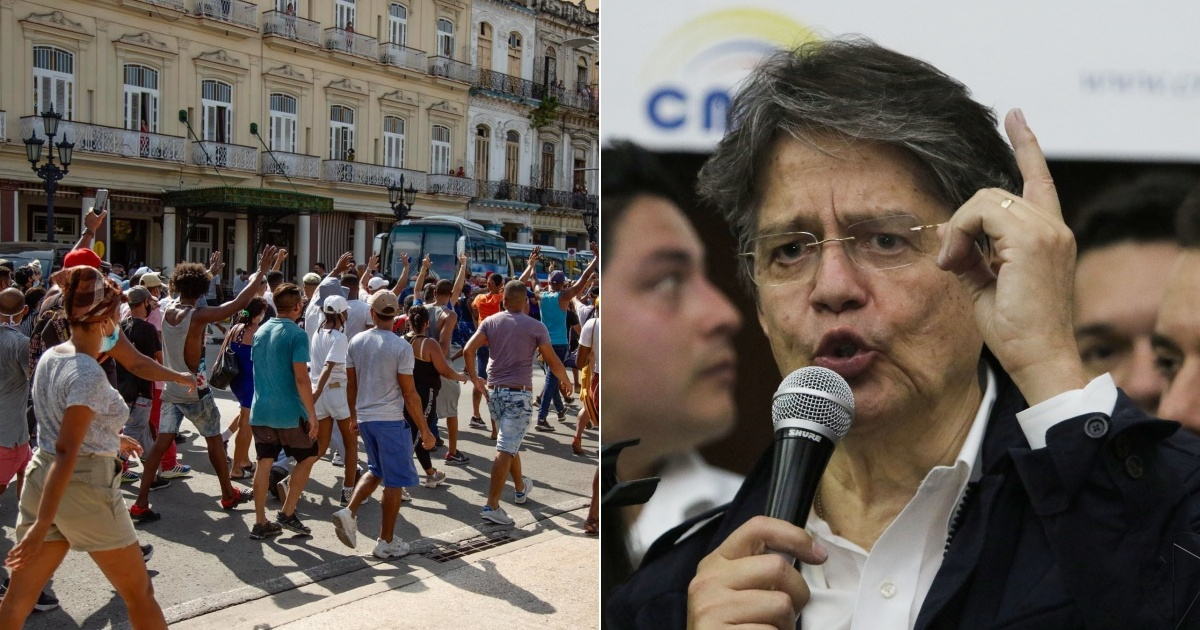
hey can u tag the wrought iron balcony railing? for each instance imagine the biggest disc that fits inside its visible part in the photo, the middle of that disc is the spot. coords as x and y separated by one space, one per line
233 11
370 174
451 69
290 164
505 191
450 185
110 140
222 155
351 42
582 100
403 57
507 84
291 27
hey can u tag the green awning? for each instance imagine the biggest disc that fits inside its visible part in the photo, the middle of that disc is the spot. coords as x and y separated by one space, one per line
253 200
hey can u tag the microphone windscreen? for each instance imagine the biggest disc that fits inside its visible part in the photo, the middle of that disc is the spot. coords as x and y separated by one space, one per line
815 394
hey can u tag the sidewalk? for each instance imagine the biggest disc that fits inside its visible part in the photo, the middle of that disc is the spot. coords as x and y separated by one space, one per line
547 576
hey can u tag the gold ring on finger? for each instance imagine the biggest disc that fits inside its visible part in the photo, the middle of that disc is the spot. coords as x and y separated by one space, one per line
1006 203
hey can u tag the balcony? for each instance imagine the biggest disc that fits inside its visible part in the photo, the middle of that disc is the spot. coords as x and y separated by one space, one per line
291 164
506 191
451 69
403 57
298 29
177 5
109 140
507 84
450 185
370 174
237 12
581 100
351 42
222 155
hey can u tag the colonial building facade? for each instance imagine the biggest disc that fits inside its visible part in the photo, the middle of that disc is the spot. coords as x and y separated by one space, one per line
227 124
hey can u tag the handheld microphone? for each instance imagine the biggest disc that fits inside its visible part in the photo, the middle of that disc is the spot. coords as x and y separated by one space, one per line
811 411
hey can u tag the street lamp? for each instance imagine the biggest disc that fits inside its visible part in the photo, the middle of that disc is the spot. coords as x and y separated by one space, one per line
49 172
591 220
401 207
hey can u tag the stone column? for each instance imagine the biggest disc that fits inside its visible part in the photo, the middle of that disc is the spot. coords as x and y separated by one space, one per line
241 244
169 239
360 239
525 235
303 244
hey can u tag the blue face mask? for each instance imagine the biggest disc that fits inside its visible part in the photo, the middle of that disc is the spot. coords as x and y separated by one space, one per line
109 342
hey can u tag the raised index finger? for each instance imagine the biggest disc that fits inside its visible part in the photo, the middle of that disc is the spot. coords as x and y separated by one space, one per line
1039 185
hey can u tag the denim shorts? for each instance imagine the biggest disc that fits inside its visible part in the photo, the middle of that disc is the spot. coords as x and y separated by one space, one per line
512 411
138 424
389 448
203 413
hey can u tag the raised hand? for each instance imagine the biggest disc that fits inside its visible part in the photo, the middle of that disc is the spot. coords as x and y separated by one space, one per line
94 219
373 263
343 263
265 258
462 260
281 254
426 263
1022 288
216 262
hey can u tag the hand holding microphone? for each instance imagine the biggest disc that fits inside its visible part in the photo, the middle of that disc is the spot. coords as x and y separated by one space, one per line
753 577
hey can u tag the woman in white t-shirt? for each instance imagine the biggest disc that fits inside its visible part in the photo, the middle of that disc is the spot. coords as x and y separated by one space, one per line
327 370
72 496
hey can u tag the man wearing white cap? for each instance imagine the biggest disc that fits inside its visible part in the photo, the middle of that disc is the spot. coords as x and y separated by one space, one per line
327 370
375 284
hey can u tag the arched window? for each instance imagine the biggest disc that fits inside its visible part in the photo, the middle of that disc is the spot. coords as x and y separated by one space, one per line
341 133
483 48
393 141
547 180
284 110
141 97
53 81
439 162
551 67
216 111
512 156
343 14
445 38
483 152
514 54
398 24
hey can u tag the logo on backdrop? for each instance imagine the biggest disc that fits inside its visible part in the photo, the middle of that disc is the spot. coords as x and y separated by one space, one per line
692 74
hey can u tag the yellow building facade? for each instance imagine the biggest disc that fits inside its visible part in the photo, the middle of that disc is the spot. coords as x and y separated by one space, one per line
226 124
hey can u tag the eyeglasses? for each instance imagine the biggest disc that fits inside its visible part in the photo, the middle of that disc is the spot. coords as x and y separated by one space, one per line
882 243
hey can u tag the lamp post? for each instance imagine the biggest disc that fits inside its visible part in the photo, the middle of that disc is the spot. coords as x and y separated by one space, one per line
402 199
591 220
49 172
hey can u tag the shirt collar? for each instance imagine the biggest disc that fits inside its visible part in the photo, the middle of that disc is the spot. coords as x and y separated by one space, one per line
972 448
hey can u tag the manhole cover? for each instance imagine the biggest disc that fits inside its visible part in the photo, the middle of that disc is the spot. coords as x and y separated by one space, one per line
446 553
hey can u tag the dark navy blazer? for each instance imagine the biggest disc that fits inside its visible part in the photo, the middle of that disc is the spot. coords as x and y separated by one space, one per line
1096 530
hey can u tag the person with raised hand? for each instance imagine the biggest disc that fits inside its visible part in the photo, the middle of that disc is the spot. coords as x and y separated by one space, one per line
888 233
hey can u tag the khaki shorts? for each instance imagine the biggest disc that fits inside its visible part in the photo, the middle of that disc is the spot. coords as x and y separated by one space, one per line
447 398
92 515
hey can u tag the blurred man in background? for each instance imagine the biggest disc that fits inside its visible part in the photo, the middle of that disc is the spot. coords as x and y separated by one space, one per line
1176 338
669 355
1126 243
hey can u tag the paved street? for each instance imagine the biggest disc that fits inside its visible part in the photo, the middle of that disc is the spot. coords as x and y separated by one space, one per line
205 561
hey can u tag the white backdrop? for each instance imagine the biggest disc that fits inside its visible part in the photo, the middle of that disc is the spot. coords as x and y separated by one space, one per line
1096 79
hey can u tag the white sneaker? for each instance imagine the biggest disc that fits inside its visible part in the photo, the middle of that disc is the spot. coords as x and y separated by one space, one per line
404 495
336 460
394 549
497 516
346 528
523 496
436 479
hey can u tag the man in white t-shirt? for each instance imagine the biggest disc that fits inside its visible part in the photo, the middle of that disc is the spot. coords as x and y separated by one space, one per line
378 360
327 370
358 318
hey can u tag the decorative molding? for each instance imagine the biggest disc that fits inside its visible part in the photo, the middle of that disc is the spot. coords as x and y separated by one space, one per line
399 96
7 4
102 25
287 72
345 85
447 107
143 39
184 44
56 19
221 57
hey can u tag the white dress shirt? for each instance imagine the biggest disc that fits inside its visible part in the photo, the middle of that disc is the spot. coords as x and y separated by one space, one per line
687 486
883 589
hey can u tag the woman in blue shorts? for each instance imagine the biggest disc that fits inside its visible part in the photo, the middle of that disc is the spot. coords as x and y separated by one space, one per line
241 339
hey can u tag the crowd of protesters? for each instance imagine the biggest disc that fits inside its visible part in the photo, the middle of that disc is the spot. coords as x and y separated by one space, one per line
98 373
